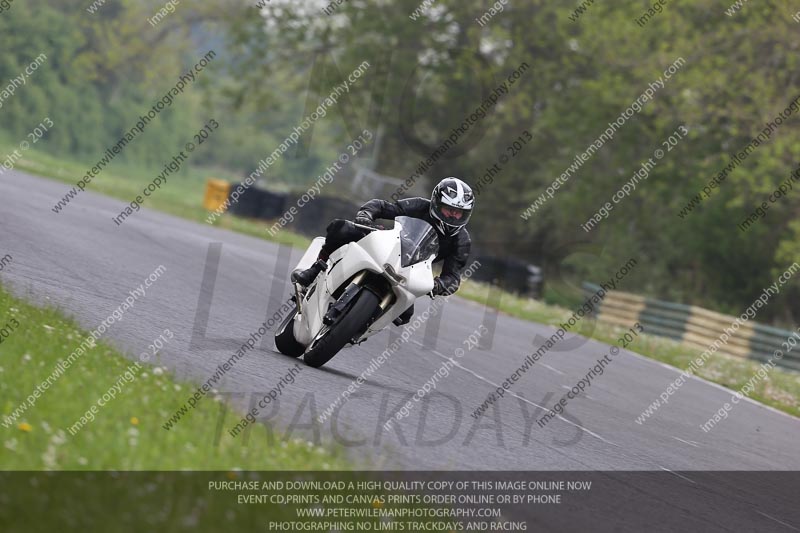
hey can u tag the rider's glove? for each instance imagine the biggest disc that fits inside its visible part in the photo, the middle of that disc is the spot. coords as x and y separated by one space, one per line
366 221
439 288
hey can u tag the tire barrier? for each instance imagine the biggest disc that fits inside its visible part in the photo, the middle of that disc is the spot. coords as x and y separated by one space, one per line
272 205
312 219
694 326
254 201
511 274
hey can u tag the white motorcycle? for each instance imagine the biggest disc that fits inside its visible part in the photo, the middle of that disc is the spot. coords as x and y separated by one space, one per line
368 283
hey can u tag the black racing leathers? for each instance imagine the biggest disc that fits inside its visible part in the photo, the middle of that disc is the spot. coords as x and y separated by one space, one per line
453 249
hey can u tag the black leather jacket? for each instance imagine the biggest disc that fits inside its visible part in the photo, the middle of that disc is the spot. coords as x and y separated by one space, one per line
453 249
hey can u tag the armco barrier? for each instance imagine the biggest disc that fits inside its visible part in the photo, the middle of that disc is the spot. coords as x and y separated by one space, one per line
694 326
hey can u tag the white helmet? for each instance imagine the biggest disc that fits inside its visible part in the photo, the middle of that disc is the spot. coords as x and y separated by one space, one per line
451 205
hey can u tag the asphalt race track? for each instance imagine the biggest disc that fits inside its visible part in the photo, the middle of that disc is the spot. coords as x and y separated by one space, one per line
81 262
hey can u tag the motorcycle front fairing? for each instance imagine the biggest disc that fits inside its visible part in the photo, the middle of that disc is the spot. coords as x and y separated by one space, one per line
420 283
409 280
380 252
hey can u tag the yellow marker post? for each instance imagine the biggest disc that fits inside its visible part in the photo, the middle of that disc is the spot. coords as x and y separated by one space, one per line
216 194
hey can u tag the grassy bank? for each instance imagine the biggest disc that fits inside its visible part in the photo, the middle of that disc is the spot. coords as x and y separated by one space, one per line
127 432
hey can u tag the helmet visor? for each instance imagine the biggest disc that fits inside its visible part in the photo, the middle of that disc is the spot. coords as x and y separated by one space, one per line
454 216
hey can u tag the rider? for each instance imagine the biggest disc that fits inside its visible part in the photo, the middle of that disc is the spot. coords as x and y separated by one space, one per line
448 211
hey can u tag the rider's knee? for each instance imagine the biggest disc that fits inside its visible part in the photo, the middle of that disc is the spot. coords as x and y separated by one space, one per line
335 227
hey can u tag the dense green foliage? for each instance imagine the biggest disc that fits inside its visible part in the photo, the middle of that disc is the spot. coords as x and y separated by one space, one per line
426 76
103 70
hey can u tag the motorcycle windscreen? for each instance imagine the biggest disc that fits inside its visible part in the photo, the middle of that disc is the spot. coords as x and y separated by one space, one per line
418 241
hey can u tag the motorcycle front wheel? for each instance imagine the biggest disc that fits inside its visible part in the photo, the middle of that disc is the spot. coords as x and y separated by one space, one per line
284 338
351 324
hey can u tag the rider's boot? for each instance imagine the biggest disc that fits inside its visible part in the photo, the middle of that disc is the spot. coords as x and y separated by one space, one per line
307 276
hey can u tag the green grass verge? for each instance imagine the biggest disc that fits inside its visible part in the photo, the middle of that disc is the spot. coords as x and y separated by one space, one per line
127 432
780 389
